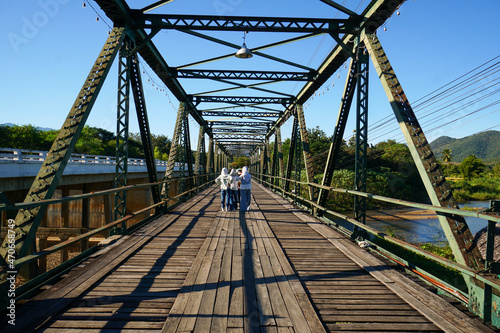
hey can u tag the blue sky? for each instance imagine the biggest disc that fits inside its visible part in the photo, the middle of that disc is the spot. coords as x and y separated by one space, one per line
48 47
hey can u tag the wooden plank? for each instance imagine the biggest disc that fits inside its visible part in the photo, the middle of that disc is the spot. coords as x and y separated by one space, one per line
435 309
266 316
235 318
286 270
188 319
408 290
89 324
280 312
221 308
205 314
178 307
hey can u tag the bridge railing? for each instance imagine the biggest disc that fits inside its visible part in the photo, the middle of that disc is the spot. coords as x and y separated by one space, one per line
27 156
27 288
491 219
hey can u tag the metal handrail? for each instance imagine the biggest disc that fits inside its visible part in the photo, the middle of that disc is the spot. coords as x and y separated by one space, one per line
491 281
32 257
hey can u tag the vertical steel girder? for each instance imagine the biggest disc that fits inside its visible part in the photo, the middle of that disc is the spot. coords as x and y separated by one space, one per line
305 149
265 159
338 132
45 183
199 166
361 134
291 153
210 157
280 155
185 156
142 117
274 161
455 227
122 126
181 114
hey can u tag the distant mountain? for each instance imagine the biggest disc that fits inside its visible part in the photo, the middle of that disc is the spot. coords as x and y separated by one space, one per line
38 127
485 145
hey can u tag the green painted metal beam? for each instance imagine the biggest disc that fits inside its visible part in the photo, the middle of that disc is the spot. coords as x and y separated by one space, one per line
338 132
144 129
240 23
241 75
28 220
440 194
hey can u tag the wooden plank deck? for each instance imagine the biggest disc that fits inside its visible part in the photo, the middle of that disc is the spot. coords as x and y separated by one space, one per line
272 269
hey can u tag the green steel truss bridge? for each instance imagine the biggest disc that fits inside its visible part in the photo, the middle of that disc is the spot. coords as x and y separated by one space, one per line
273 246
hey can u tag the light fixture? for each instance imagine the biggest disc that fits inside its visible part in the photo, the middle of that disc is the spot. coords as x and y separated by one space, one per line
244 53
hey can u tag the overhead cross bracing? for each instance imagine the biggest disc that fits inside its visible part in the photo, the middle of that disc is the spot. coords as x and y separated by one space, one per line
146 23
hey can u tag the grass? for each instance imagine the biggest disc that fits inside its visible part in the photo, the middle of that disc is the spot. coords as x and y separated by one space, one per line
482 188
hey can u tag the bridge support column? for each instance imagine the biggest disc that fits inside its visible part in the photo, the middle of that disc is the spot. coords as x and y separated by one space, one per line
210 158
338 132
122 126
142 117
291 153
361 133
305 149
200 157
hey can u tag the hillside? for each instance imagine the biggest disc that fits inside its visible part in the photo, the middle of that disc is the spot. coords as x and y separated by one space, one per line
485 145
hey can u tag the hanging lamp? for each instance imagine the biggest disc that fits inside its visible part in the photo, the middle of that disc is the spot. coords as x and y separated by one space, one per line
244 52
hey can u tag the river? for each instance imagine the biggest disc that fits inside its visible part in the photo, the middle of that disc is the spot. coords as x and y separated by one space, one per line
428 230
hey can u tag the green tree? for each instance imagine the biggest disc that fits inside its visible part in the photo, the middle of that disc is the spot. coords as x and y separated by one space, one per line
446 155
240 162
471 167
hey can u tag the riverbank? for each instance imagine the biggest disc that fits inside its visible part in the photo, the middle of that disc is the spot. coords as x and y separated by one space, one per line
400 214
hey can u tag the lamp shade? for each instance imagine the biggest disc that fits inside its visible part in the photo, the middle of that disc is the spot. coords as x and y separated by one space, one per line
244 53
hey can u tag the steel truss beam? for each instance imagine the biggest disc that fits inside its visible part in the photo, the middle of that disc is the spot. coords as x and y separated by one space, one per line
240 114
181 114
120 13
47 179
229 130
122 126
240 123
440 194
338 132
371 19
240 99
292 152
210 157
240 23
142 117
200 161
222 136
185 157
241 75
305 148
361 152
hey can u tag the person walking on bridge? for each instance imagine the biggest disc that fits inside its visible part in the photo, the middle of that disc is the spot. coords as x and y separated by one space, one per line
233 195
224 180
245 188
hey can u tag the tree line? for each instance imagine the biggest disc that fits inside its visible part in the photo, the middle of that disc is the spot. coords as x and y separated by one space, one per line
92 141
